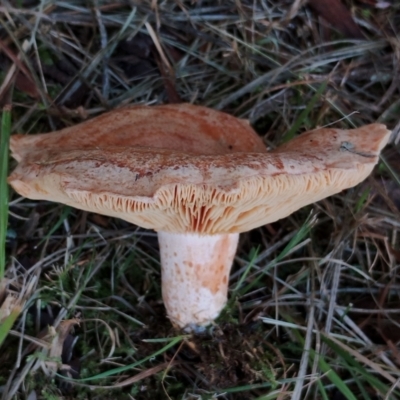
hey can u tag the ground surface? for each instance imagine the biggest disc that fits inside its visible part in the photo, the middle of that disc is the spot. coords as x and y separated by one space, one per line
315 300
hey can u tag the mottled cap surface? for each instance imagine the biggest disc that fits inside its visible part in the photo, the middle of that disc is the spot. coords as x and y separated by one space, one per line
178 127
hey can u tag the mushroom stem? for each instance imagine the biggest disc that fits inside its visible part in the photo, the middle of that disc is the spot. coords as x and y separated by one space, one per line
195 276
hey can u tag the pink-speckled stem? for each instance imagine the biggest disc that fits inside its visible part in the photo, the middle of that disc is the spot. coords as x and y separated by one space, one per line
195 276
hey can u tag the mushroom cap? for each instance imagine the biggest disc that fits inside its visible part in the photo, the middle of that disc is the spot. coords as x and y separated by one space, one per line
174 191
178 127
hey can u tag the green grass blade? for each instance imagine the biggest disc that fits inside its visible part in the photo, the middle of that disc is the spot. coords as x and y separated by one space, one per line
371 379
296 239
325 367
253 257
300 235
304 114
322 391
246 388
334 378
362 200
4 144
7 324
64 214
173 341
392 171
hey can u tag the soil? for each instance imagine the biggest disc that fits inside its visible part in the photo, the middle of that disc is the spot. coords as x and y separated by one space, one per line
224 356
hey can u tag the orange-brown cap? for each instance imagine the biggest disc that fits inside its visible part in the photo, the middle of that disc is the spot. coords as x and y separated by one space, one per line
177 127
167 189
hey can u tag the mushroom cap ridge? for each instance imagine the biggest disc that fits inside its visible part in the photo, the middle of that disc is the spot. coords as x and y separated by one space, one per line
182 192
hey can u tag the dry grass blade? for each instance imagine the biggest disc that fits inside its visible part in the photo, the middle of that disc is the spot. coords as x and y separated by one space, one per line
57 338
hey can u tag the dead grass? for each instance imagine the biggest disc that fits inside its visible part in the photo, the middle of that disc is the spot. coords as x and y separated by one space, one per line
315 301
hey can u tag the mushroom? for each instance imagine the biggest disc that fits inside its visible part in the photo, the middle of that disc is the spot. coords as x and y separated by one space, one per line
198 177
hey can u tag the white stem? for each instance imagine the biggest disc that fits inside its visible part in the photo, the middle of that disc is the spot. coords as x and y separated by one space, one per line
195 276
